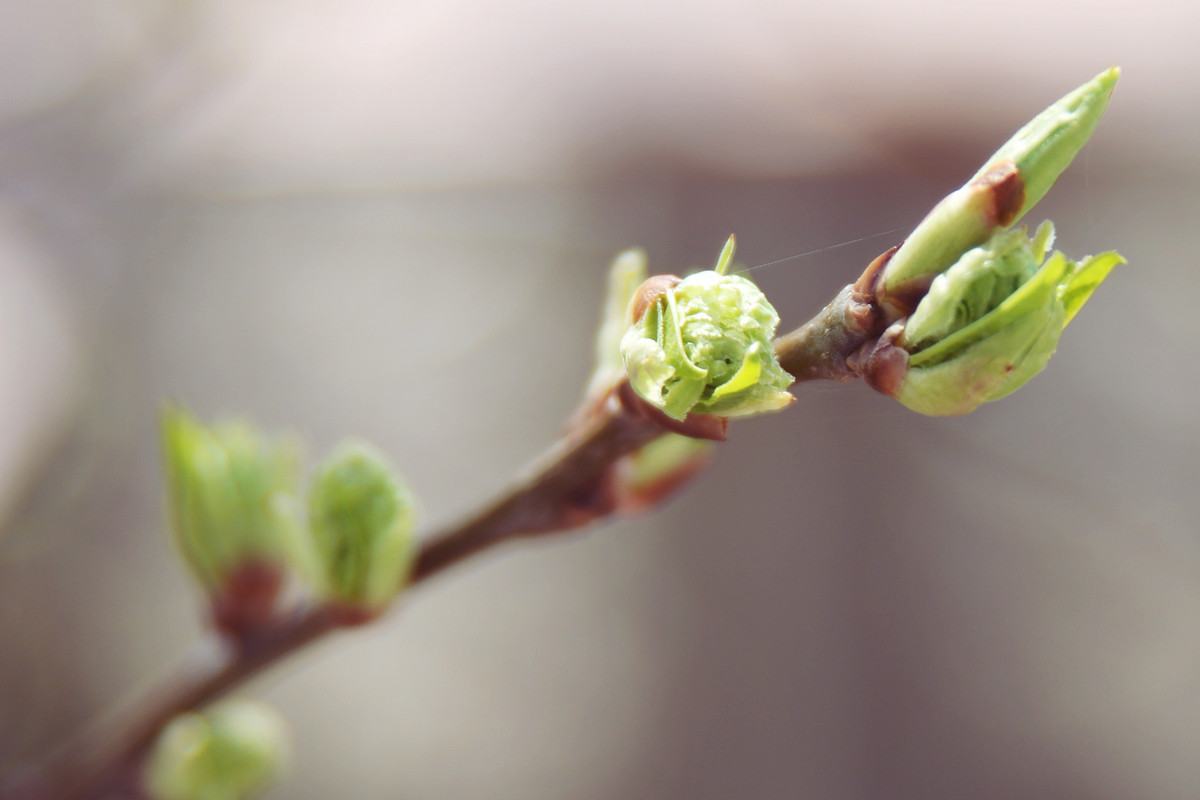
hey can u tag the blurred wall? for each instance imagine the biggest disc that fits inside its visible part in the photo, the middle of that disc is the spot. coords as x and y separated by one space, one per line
392 220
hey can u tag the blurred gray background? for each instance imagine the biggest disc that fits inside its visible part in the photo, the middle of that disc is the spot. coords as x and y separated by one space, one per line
393 221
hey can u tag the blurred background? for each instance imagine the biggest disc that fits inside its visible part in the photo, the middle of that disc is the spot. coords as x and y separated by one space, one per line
393 221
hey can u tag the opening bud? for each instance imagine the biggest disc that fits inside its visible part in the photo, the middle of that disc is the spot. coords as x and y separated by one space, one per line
703 344
987 325
232 751
233 496
362 517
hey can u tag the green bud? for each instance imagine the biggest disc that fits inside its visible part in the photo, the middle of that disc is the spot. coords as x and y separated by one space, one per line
703 344
648 476
628 271
1046 146
232 751
1012 181
989 323
233 500
362 517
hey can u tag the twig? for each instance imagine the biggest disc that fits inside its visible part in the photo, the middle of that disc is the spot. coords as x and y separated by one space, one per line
565 489
558 494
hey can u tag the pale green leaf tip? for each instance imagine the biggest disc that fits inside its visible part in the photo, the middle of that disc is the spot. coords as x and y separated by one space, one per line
726 256
1087 277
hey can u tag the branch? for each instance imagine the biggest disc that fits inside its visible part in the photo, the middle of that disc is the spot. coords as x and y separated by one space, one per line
561 494
107 757
952 370
564 490
568 487
825 347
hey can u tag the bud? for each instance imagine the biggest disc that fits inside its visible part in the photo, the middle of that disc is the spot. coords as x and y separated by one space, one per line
703 344
986 326
1009 184
233 500
1048 144
232 751
362 518
647 477
627 272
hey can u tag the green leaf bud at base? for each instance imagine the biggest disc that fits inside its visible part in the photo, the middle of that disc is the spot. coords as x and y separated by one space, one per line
646 478
232 751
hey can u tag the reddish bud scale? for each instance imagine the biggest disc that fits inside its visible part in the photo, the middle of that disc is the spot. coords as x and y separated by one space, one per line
882 363
248 599
1005 190
648 293
634 499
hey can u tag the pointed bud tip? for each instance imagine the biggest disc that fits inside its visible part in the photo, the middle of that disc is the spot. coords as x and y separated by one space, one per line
1008 185
726 256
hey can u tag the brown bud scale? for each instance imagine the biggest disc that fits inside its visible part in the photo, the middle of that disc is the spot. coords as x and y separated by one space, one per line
648 293
882 363
247 600
1003 182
